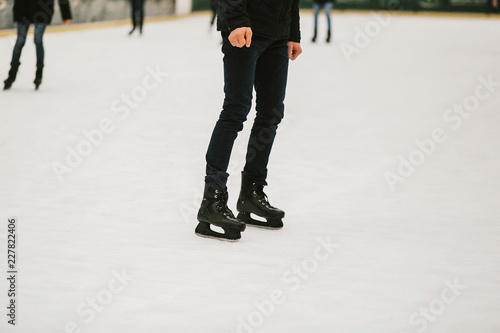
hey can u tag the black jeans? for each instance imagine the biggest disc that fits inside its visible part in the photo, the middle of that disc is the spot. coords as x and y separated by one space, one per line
137 13
264 65
22 32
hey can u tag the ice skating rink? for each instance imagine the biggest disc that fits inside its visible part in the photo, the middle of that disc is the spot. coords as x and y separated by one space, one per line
386 164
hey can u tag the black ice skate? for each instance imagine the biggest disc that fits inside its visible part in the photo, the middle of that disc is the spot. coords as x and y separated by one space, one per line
12 77
253 200
328 36
214 211
314 36
38 77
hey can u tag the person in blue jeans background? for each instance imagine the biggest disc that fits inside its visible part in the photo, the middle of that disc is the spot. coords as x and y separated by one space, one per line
39 13
259 39
327 6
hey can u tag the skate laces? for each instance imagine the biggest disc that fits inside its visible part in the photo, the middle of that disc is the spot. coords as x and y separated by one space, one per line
261 196
221 206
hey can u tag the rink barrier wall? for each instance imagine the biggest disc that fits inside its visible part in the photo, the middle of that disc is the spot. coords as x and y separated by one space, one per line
88 11
118 23
99 25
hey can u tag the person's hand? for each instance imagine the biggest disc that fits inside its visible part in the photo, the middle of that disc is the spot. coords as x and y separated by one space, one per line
294 50
241 37
66 21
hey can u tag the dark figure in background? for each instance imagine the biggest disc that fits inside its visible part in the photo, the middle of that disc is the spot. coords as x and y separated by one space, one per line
137 15
327 6
492 6
39 13
213 8
259 38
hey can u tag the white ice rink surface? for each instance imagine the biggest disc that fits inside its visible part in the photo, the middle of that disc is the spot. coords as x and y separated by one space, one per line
423 256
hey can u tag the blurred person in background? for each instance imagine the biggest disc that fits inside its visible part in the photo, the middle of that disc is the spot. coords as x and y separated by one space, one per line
494 6
39 13
327 6
137 15
213 8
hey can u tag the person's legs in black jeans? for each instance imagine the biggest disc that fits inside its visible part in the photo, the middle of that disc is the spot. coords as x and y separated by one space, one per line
134 15
270 86
141 14
137 14
264 64
239 73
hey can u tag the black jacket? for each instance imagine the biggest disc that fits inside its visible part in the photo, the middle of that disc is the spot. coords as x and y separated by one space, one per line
39 11
275 19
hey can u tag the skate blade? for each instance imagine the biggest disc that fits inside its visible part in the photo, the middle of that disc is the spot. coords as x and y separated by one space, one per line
269 224
263 226
218 238
230 235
